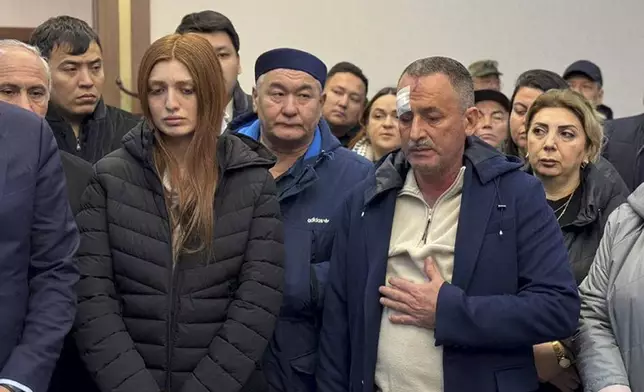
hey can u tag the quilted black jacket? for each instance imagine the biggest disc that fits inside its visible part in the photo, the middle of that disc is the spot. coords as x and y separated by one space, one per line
100 133
202 325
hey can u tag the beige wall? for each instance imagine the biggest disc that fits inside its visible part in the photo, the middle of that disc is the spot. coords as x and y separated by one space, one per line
31 13
383 36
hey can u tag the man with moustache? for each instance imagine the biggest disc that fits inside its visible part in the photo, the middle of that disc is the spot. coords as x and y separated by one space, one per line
82 123
448 264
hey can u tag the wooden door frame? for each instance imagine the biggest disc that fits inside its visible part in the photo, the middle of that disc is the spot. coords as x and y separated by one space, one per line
124 29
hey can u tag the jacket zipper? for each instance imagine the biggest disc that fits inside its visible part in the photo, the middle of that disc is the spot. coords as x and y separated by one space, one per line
436 204
170 328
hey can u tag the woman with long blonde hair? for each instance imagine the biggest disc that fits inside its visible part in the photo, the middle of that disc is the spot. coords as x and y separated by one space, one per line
181 249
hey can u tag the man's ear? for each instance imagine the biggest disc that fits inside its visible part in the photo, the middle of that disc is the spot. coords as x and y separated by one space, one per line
471 120
255 96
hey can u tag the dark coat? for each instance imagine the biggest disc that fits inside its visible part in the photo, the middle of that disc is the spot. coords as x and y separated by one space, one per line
70 374
625 148
78 172
242 102
146 324
601 194
310 194
512 285
100 133
38 238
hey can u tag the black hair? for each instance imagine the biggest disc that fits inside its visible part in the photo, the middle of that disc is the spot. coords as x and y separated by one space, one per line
539 79
73 34
347 67
209 22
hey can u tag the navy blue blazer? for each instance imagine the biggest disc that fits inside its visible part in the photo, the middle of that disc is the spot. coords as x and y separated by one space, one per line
512 285
38 238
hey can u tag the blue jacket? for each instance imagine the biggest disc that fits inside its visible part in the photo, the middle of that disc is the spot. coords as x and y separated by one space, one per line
38 238
512 286
310 194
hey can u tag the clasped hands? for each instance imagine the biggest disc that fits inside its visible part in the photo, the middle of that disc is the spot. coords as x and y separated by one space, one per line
414 303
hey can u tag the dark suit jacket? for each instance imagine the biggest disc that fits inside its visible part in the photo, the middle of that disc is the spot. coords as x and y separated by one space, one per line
38 238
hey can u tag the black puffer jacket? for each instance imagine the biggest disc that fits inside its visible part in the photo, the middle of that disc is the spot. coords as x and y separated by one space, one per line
100 133
601 195
202 325
603 190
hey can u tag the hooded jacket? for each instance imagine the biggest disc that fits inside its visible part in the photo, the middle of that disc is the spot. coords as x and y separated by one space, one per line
146 324
310 194
101 132
609 341
512 286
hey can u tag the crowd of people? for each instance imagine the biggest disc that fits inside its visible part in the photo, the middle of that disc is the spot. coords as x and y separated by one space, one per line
438 236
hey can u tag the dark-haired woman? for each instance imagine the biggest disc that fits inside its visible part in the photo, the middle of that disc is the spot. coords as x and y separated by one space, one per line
379 134
181 247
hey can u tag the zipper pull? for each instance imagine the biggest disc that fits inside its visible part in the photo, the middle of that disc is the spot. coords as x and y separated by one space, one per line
78 145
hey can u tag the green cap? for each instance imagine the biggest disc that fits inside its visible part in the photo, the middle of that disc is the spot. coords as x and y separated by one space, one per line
482 68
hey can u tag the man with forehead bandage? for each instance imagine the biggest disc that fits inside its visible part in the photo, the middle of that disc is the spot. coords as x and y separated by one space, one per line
448 265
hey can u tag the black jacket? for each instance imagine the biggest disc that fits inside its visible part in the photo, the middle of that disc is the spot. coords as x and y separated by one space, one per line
70 374
242 102
100 133
602 192
78 172
624 148
146 325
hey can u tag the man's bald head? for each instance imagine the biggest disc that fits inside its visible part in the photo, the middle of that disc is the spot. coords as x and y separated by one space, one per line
24 76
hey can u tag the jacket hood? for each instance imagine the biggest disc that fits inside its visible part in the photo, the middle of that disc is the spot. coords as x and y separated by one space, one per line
328 141
636 200
233 151
486 162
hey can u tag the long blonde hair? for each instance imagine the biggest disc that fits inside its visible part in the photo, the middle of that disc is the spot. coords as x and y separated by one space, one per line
196 184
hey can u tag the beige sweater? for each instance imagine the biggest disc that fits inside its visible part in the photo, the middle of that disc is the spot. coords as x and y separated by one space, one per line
408 360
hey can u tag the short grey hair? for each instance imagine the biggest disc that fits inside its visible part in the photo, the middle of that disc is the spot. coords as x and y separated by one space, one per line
458 75
7 44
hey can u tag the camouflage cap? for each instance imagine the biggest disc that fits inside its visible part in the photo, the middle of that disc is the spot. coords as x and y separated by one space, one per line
482 68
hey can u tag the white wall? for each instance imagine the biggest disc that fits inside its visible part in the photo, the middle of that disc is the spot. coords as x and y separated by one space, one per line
31 13
383 36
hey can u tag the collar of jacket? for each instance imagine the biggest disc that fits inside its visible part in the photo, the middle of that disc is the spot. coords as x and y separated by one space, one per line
323 143
233 151
596 192
99 113
303 173
486 162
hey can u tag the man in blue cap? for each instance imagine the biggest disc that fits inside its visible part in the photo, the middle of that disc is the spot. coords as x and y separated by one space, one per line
313 173
585 77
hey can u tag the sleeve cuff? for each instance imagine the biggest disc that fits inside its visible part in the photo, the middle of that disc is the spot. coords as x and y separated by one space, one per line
18 385
616 388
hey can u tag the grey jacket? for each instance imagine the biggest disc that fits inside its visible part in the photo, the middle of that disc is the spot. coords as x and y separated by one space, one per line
610 340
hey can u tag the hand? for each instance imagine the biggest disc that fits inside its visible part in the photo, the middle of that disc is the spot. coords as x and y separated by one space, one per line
546 362
567 380
414 302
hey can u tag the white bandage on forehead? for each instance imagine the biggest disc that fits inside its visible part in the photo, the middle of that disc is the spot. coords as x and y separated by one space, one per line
402 101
